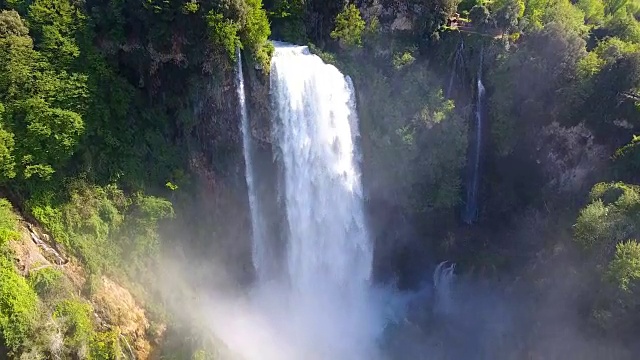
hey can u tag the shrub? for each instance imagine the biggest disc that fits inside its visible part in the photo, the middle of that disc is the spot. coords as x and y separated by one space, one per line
610 217
624 270
49 283
75 316
106 346
18 306
223 32
8 222
349 26
256 32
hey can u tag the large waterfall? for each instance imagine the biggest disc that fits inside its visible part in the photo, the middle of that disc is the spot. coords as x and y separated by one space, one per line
320 304
328 247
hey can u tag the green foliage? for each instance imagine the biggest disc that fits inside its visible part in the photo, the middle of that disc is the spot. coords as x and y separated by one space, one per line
401 60
349 26
8 223
287 21
593 11
11 24
18 306
507 13
18 302
624 269
191 7
627 158
530 84
49 283
479 16
613 6
255 33
223 32
106 346
106 229
610 217
75 317
54 24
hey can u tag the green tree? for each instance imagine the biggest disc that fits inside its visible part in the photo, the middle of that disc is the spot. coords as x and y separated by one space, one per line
624 269
11 24
255 33
593 11
54 24
349 26
610 218
18 306
7 159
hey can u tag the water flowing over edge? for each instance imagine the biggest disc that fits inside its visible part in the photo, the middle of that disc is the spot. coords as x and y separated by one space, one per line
272 322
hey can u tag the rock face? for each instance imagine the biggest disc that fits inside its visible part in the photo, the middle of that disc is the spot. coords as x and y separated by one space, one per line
116 307
569 157
259 106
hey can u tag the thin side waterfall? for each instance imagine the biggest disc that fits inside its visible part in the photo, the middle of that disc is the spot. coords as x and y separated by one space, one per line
458 60
259 253
470 213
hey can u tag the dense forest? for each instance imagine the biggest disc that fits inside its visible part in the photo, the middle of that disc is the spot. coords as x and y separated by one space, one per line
121 159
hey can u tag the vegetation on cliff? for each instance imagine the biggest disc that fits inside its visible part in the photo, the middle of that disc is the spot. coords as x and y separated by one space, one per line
97 133
563 109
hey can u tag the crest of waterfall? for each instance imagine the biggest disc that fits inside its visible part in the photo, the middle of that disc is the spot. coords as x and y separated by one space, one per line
470 213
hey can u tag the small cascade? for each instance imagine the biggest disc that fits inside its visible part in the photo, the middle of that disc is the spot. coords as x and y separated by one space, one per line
458 61
470 213
443 278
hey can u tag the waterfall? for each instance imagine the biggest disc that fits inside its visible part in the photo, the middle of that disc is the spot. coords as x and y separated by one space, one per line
457 61
260 254
443 278
320 303
470 213
316 125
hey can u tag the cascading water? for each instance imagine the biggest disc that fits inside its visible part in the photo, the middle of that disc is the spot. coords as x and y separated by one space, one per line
328 245
329 253
320 304
470 213
457 61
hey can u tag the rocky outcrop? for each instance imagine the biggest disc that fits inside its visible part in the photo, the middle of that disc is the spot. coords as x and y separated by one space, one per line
569 157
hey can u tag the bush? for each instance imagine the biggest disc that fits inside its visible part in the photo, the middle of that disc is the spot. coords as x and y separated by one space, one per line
8 222
49 282
349 26
106 346
610 217
75 315
624 270
18 306
255 33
